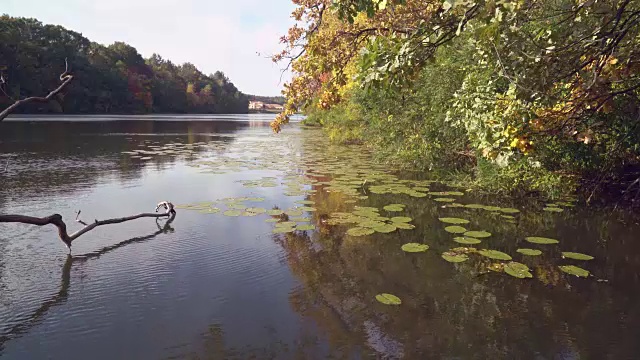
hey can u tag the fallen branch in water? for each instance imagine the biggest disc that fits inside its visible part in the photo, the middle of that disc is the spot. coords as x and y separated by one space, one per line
56 219
65 78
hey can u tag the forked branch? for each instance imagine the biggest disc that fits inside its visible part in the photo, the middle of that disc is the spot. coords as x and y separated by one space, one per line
65 78
56 219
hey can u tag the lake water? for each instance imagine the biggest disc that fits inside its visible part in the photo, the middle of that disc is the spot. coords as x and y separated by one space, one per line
220 281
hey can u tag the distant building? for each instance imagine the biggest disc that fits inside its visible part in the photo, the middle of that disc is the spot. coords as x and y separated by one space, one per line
274 107
256 105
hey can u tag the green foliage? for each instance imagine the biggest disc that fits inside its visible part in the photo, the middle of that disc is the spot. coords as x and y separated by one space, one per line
108 79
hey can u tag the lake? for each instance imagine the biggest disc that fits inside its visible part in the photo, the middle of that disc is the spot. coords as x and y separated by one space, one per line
282 248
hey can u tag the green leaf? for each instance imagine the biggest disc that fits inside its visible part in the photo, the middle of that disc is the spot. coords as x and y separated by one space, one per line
577 256
275 212
574 270
388 299
232 213
478 234
495 254
401 219
455 257
530 252
360 231
306 227
455 229
456 221
282 229
541 240
448 200
404 226
509 210
386 228
518 270
553 209
466 240
414 247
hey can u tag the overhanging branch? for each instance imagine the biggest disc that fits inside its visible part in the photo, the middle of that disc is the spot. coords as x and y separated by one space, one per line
56 219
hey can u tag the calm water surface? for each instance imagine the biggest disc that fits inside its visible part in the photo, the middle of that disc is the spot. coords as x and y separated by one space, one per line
210 286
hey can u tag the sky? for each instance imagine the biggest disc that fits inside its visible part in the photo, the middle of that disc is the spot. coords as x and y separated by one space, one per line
233 36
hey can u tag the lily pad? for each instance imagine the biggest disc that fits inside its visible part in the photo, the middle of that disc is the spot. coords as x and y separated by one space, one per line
256 210
305 202
477 234
553 209
401 219
541 240
386 228
282 229
272 220
388 299
360 231
275 212
519 270
414 247
529 252
446 200
495 254
308 208
455 229
232 213
577 256
455 257
455 221
574 270
394 207
404 226
306 227
466 240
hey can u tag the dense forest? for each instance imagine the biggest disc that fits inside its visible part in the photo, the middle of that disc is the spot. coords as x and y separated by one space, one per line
512 96
107 79
268 99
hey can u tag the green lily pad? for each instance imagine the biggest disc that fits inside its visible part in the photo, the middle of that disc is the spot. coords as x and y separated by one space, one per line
275 212
455 229
394 207
577 256
477 234
305 202
574 270
404 226
256 210
495 254
282 230
386 228
553 209
307 227
360 231
401 219
388 299
541 240
455 257
466 240
414 247
446 200
417 194
508 217
516 269
308 208
529 252
456 221
232 213
272 220
286 224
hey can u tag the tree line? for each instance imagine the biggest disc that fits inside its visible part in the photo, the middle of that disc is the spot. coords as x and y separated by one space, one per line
113 79
531 95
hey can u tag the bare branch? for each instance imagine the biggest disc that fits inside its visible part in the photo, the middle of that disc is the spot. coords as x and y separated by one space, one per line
65 77
56 219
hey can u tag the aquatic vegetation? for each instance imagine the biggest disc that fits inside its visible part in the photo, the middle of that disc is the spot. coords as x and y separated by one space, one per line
454 257
477 234
518 270
575 270
494 254
529 252
541 240
414 247
455 221
388 299
455 229
577 256
466 240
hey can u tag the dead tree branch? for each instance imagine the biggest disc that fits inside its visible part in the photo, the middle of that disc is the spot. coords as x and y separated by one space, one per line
56 219
65 78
